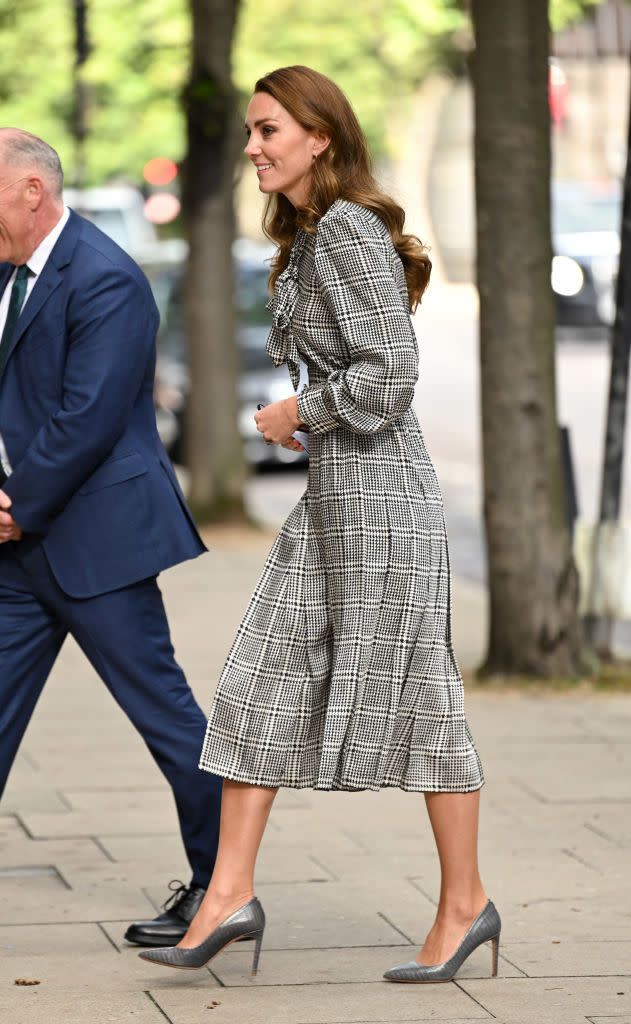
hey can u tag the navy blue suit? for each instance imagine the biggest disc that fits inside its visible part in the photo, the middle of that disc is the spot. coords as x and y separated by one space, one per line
102 514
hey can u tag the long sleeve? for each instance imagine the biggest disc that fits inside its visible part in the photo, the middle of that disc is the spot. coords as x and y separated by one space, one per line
111 338
361 293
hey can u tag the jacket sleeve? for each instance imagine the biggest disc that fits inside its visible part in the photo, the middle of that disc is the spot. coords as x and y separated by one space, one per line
111 337
358 286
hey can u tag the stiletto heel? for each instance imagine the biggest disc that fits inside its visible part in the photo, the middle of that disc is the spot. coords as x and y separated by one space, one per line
257 953
247 922
485 928
495 955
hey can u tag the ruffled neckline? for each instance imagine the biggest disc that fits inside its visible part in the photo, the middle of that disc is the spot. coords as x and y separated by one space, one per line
281 346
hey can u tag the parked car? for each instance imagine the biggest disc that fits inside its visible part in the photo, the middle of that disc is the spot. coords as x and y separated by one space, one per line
260 382
586 244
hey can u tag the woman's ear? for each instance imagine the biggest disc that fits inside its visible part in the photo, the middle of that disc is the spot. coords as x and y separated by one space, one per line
320 142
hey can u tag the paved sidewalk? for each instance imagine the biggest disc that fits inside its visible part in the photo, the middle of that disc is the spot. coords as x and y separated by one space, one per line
88 842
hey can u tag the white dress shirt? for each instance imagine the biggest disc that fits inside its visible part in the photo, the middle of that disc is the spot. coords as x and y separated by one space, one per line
35 264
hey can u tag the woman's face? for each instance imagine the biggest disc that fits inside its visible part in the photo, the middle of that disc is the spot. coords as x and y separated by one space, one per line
280 148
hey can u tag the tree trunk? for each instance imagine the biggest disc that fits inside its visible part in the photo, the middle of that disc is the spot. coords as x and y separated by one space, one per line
214 447
534 625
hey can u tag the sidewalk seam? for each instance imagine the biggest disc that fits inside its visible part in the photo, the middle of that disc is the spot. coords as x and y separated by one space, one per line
157 1005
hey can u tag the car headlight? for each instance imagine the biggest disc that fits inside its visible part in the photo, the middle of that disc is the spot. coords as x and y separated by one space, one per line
567 277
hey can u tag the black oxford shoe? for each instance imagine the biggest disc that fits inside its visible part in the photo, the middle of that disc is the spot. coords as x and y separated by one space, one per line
169 927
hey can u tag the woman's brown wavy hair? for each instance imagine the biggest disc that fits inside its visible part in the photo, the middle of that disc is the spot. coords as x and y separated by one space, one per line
342 171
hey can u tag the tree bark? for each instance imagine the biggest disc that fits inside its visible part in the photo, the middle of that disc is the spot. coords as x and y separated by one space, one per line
214 449
534 624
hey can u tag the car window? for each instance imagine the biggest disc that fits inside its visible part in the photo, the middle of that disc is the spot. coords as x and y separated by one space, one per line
111 222
252 295
579 213
253 320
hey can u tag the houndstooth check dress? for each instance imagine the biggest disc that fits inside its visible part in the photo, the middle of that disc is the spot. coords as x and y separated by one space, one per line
342 673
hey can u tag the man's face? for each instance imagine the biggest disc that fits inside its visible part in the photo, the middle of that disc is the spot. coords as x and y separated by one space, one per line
15 214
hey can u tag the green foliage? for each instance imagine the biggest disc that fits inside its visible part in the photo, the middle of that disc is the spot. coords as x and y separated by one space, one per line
139 61
564 12
135 74
377 52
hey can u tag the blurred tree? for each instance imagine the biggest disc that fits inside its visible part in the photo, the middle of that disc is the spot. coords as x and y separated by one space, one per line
214 134
534 625
138 65
133 78
377 53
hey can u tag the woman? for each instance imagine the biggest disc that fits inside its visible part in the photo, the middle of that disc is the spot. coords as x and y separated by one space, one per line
342 674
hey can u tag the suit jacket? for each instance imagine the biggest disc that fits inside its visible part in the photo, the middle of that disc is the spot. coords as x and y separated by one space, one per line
90 475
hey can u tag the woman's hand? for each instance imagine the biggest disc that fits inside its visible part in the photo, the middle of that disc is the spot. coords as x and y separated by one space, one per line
278 421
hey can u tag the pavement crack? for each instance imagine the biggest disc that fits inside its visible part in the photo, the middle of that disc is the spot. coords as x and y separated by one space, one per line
323 867
506 960
385 918
104 850
413 882
585 863
355 840
157 1006
477 1001
603 835
107 936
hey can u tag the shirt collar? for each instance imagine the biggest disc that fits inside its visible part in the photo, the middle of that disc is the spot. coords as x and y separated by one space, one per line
38 259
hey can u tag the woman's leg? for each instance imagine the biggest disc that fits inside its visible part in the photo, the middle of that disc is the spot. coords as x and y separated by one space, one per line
244 813
454 821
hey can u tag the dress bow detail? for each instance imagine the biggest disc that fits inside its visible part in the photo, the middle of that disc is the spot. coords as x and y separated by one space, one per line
281 346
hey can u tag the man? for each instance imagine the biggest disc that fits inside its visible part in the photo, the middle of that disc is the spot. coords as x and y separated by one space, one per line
90 509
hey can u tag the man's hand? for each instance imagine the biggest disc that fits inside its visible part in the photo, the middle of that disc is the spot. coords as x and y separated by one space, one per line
9 529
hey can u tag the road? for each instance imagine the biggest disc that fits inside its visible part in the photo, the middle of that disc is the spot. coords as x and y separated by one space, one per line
447 404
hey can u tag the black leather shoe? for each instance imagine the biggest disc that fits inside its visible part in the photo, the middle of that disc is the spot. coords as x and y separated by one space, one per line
169 927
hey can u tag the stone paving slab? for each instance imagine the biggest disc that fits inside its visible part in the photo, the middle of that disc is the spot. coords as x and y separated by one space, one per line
316 1004
551 1001
625 1019
557 959
34 1006
21 943
46 901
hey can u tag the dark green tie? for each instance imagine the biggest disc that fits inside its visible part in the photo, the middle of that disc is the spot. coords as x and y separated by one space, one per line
18 292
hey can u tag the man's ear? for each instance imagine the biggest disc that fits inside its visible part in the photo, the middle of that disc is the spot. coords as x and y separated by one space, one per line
34 191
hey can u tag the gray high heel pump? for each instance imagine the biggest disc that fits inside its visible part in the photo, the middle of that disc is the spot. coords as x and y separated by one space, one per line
485 928
247 922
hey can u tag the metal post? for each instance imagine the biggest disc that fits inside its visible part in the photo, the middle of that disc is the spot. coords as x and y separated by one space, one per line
600 627
80 93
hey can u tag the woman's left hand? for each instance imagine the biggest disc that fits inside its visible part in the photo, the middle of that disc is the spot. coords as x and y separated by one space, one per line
277 421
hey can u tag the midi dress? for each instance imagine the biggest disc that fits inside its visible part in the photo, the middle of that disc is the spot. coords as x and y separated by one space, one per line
342 673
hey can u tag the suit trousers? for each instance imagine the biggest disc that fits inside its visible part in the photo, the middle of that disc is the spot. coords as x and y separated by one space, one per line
125 636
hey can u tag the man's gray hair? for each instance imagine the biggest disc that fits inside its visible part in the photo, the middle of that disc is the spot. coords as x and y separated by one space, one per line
21 149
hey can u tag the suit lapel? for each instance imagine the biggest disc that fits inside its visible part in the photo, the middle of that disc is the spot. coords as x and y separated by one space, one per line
46 283
49 279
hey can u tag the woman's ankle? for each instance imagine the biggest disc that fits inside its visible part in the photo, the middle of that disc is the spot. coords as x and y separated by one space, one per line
462 907
223 896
